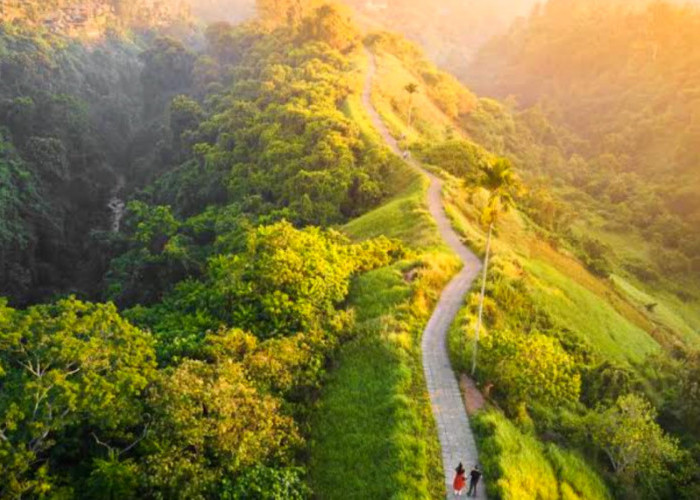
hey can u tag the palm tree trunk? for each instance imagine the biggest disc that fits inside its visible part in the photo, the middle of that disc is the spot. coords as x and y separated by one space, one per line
410 109
481 300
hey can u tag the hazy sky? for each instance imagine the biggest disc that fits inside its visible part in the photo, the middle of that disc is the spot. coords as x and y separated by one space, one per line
487 12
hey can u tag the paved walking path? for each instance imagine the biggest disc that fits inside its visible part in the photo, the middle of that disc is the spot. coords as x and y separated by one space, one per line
456 438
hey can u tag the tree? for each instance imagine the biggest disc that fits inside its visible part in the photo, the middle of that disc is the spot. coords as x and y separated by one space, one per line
210 423
268 483
690 389
631 439
167 70
411 89
185 116
459 157
276 13
530 368
65 367
286 282
331 25
500 181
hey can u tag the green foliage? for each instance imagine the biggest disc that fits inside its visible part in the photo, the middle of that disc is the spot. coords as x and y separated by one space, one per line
637 448
278 13
244 320
331 25
185 116
641 177
518 466
66 368
112 478
529 368
158 256
211 423
499 179
606 382
167 70
68 111
458 157
286 281
275 138
547 210
689 392
594 255
18 190
267 483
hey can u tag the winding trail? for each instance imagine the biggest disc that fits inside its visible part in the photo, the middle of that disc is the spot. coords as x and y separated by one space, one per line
456 438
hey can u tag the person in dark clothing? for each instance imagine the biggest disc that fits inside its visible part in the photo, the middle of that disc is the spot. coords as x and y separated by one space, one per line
474 476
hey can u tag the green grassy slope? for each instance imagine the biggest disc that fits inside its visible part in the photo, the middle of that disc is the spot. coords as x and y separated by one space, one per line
521 467
373 434
373 426
374 406
593 309
588 315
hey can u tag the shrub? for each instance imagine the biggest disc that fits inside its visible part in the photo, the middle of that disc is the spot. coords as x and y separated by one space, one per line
530 367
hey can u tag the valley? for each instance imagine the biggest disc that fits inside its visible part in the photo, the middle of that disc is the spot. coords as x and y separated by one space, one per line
240 259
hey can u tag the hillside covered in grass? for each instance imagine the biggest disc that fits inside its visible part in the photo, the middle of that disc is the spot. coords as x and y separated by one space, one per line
215 276
570 327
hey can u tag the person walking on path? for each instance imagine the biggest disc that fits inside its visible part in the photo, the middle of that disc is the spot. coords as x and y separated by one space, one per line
474 476
460 480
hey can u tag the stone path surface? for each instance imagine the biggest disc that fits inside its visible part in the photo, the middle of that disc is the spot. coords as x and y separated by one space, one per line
456 438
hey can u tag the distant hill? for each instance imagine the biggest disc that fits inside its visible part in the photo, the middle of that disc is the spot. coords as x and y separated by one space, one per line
625 81
450 31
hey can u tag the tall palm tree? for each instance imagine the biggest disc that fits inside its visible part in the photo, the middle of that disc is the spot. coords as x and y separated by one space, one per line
411 88
499 180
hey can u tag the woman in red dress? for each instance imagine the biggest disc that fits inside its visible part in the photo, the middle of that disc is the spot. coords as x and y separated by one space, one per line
459 481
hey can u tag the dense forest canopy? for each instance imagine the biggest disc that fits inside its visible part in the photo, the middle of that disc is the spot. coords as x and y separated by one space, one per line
618 118
226 154
177 284
68 114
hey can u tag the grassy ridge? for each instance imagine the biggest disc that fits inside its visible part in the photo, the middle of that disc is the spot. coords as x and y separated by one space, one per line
517 464
405 217
373 434
373 426
368 434
609 316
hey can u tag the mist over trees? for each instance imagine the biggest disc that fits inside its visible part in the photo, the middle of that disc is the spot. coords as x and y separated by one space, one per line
230 304
182 352
620 116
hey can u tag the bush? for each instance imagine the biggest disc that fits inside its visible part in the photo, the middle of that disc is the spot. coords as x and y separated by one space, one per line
527 368
458 157
267 483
